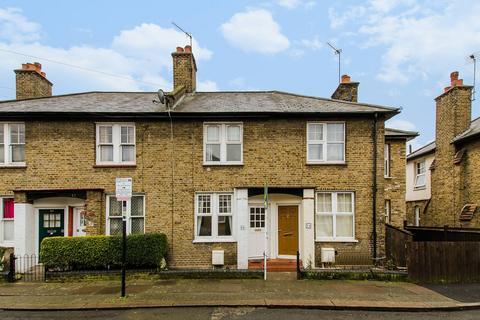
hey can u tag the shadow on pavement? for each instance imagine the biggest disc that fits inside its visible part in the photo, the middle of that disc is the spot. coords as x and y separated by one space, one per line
465 292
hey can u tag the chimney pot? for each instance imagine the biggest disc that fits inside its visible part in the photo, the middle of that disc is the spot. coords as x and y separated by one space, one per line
453 76
188 48
179 49
345 78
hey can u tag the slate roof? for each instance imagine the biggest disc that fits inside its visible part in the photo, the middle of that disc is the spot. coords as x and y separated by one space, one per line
397 133
197 103
470 132
426 149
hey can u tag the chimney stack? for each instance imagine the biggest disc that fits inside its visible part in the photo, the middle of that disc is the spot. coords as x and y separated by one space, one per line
184 69
32 82
346 90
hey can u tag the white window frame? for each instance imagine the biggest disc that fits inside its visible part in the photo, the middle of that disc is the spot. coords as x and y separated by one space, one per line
3 242
7 145
129 215
334 215
214 213
417 175
388 211
116 143
325 143
386 160
223 143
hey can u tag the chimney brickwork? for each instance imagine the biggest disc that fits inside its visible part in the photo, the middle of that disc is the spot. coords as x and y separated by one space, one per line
453 116
31 82
184 69
346 90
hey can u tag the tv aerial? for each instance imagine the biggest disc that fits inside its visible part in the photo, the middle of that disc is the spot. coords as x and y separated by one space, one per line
473 58
188 34
339 53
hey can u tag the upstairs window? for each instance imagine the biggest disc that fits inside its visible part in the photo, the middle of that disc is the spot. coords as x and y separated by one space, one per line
420 176
386 160
222 143
325 142
12 143
115 143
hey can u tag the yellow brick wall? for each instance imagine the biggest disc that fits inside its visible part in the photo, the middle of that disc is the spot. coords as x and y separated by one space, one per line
395 184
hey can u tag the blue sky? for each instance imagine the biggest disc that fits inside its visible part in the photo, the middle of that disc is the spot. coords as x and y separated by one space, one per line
401 51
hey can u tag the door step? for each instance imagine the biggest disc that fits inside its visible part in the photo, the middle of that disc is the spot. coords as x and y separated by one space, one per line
274 265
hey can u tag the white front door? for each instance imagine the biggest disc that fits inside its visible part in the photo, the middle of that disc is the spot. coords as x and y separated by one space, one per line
256 233
79 222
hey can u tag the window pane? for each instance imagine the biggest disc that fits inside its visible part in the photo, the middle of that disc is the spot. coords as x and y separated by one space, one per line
213 133
2 137
344 202
324 226
105 134
204 226
137 226
106 153
136 206
315 152
344 226
335 152
204 204
315 131
8 233
224 225
128 153
127 135
233 133
8 208
421 167
335 132
17 133
213 152
324 202
18 153
420 180
115 207
2 153
234 152
116 226
225 203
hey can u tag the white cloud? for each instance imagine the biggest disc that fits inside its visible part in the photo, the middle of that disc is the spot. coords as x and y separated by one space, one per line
255 30
140 56
416 36
240 84
207 85
292 4
338 20
400 124
14 27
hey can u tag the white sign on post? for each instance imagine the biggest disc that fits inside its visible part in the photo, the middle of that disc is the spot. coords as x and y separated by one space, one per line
123 189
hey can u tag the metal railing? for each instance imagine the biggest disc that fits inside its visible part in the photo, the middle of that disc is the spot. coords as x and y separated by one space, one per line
26 268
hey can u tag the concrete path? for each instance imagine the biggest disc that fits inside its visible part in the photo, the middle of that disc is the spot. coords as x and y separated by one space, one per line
279 291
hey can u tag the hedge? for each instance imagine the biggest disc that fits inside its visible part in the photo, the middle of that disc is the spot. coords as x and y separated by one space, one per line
103 252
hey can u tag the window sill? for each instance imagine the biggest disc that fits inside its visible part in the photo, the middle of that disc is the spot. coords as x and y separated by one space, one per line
214 240
419 188
327 163
13 166
115 165
388 177
222 164
7 244
335 240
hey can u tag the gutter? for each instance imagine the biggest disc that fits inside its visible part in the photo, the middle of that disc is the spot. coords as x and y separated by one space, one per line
374 188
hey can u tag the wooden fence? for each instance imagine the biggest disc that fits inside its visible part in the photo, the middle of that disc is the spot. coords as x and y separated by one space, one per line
444 261
396 245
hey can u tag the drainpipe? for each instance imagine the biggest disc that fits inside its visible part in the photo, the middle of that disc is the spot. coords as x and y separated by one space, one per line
374 188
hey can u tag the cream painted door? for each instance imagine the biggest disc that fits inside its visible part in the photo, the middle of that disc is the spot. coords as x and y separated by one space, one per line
256 233
79 222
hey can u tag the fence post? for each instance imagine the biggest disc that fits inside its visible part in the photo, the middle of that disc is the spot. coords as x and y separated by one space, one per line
299 272
11 273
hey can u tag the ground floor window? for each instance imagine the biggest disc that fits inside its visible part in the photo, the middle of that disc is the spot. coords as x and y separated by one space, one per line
213 216
135 209
7 220
335 219
388 210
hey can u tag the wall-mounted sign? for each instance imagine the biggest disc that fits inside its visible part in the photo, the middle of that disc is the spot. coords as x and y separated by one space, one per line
123 189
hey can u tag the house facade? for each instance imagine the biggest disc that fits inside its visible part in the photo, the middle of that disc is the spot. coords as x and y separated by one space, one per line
200 163
450 163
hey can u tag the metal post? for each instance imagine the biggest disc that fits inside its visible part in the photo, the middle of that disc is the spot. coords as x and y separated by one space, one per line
11 274
124 245
298 266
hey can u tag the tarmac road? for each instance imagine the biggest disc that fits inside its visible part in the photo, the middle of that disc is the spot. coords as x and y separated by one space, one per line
236 313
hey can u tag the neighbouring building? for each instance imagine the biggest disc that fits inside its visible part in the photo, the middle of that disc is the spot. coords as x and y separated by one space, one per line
199 163
442 176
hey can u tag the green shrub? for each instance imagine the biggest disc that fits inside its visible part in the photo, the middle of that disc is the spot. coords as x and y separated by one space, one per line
103 252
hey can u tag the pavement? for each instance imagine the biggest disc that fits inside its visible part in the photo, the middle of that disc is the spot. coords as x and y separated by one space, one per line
281 290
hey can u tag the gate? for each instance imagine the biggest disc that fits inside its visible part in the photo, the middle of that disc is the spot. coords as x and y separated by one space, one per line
396 245
26 268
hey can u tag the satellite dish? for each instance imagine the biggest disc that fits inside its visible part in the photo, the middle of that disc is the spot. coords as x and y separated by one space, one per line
161 96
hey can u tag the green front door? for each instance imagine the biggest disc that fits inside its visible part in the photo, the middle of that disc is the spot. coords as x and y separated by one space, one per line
51 223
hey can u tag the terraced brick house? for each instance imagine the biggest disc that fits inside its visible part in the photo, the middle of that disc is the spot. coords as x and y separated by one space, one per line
442 187
199 164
